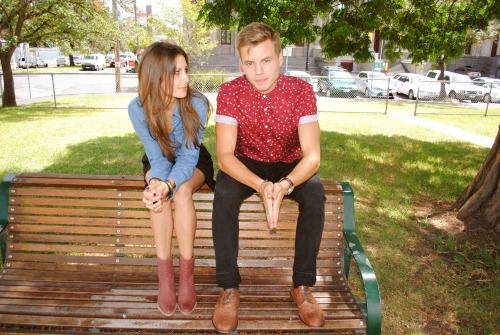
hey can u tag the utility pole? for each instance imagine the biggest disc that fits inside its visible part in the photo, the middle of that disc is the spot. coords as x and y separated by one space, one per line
135 19
307 57
118 82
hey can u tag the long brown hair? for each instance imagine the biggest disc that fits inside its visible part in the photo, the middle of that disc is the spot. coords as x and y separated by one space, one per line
156 76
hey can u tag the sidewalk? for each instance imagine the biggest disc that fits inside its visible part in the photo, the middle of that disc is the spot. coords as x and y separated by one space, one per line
464 135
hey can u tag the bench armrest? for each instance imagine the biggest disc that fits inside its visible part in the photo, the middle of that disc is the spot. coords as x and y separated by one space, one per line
4 211
372 308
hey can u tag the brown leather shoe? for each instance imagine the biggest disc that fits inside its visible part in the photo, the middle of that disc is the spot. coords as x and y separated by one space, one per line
309 310
225 316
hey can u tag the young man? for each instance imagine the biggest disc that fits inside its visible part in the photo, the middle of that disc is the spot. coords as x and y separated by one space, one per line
268 141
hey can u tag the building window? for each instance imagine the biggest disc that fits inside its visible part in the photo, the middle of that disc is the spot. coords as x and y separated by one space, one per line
225 35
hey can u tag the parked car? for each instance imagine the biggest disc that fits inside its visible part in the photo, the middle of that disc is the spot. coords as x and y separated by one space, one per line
41 63
77 60
459 86
62 61
130 58
23 64
375 84
337 82
121 63
467 70
94 62
109 57
32 63
300 74
492 87
411 84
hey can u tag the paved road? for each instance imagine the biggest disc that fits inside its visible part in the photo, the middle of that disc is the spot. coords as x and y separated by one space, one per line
44 85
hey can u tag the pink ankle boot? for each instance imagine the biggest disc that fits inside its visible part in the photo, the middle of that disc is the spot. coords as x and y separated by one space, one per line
187 294
166 287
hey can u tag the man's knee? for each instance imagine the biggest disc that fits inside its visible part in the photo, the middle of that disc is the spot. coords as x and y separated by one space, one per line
228 189
312 191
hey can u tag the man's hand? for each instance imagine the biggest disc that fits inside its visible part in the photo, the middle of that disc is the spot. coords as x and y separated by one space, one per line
272 197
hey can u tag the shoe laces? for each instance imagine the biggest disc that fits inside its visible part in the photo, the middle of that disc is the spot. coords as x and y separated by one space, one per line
228 297
306 294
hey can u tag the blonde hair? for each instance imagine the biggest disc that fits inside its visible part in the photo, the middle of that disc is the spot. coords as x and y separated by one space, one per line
156 77
256 33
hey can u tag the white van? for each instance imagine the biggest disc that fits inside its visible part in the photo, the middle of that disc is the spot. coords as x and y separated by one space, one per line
459 86
94 62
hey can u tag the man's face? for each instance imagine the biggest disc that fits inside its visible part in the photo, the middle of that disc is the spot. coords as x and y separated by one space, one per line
261 65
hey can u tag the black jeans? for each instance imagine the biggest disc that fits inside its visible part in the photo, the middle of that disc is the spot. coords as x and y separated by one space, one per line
229 195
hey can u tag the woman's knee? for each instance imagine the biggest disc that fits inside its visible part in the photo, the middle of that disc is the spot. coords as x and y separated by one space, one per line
184 194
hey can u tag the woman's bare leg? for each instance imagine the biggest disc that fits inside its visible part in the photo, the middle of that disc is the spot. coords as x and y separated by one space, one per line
162 225
185 214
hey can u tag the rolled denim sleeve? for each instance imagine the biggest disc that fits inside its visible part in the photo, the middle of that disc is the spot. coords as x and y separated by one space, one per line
160 165
187 157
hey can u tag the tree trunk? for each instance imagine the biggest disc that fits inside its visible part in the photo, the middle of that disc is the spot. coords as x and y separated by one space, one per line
9 95
480 201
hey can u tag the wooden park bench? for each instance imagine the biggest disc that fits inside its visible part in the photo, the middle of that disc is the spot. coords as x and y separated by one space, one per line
79 257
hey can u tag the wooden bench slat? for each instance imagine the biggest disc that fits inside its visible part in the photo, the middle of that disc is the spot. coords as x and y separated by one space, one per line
146 231
146 250
332 224
250 324
146 241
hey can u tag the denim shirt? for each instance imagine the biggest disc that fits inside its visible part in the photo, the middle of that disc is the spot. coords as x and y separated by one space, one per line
186 158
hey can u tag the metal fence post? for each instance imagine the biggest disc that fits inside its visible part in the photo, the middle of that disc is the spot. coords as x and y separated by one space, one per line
387 94
488 102
416 100
54 90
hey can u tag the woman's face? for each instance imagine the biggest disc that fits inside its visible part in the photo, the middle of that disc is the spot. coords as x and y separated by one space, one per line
181 78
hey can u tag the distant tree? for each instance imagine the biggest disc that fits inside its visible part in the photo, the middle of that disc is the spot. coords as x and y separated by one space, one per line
136 33
37 21
436 31
179 25
431 30
295 20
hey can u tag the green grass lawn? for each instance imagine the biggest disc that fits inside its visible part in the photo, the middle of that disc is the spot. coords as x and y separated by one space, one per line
432 282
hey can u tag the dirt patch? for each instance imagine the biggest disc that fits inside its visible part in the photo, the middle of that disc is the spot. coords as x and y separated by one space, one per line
443 219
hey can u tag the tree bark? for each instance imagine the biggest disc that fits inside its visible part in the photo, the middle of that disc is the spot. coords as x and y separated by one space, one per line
481 199
9 95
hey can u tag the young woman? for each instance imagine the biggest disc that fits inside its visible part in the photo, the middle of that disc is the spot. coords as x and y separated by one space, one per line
170 117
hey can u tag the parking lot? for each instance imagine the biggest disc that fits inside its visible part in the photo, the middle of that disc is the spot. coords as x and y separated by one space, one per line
353 94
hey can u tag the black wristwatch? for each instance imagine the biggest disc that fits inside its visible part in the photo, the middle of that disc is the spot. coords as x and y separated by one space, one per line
292 186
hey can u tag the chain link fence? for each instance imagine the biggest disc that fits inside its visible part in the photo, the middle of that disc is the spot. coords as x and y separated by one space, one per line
340 94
